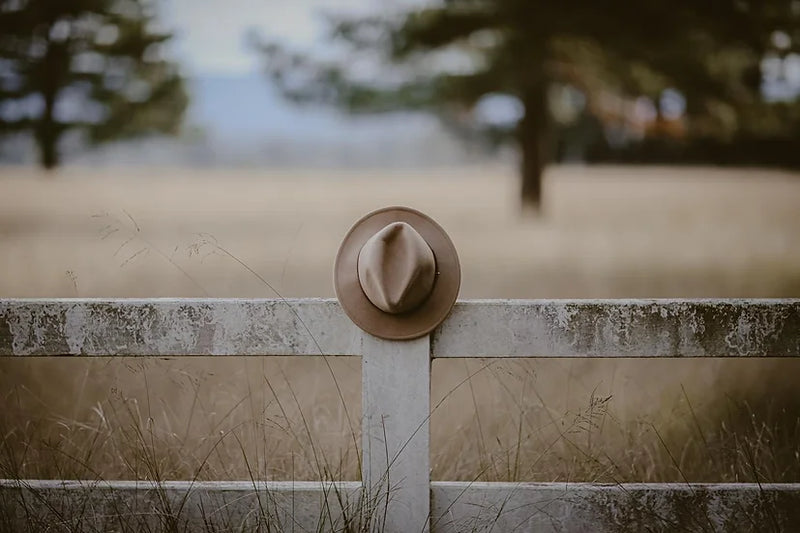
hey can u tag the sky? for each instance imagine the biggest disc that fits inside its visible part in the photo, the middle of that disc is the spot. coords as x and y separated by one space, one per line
233 100
210 34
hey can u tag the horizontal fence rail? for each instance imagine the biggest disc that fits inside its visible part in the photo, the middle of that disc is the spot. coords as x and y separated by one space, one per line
456 506
488 328
396 493
173 327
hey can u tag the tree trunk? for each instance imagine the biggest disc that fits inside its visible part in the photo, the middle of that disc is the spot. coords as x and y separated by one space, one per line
48 130
48 150
531 169
532 134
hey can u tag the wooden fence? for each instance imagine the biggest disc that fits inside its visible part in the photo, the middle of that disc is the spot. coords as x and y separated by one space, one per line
396 493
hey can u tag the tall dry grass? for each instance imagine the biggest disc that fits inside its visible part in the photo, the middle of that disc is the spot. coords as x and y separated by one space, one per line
607 232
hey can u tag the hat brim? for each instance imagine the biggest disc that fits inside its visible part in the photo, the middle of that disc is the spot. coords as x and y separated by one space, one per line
431 312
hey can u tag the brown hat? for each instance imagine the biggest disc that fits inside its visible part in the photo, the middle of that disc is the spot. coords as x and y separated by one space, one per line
397 274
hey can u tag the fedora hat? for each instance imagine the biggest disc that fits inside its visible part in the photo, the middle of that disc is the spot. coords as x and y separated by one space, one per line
397 273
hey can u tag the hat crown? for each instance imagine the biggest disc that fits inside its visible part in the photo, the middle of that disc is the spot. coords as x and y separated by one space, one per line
396 268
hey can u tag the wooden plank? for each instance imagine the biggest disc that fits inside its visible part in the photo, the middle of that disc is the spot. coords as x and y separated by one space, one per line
621 328
43 505
396 432
557 507
491 328
171 327
457 506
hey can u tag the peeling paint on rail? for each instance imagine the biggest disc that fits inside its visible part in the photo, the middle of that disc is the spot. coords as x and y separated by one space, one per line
175 327
621 328
627 507
456 506
487 328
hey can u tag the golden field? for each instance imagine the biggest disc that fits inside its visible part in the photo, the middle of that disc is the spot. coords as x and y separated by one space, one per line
606 232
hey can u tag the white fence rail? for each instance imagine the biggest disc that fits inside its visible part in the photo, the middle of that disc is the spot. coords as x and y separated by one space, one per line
396 493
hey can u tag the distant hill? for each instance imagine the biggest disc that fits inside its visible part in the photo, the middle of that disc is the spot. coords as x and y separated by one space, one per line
242 121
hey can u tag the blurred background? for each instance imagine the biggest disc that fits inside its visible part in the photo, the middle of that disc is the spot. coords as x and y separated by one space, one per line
623 149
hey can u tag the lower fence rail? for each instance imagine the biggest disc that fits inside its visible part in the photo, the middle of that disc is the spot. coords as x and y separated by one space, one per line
337 506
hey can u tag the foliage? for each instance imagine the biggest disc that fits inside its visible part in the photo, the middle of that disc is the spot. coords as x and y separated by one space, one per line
91 65
448 57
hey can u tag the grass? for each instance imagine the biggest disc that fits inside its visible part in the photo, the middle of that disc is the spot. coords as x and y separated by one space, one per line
739 436
751 443
607 233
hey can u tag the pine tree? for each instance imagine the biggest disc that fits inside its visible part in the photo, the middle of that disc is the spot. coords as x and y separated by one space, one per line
709 51
91 65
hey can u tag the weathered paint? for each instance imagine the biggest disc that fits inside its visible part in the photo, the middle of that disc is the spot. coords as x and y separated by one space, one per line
621 328
491 328
395 431
629 507
396 396
44 505
170 327
457 506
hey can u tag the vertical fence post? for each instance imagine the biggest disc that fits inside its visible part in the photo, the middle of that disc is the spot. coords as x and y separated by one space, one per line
396 377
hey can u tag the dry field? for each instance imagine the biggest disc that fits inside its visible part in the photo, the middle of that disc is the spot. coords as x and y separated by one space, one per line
607 232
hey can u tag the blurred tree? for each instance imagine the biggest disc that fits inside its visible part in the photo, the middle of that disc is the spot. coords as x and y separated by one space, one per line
450 56
93 65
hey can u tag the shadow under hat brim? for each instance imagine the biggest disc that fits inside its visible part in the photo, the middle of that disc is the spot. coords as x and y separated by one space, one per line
362 311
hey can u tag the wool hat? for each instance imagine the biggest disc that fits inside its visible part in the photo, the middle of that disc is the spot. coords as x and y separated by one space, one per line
397 273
